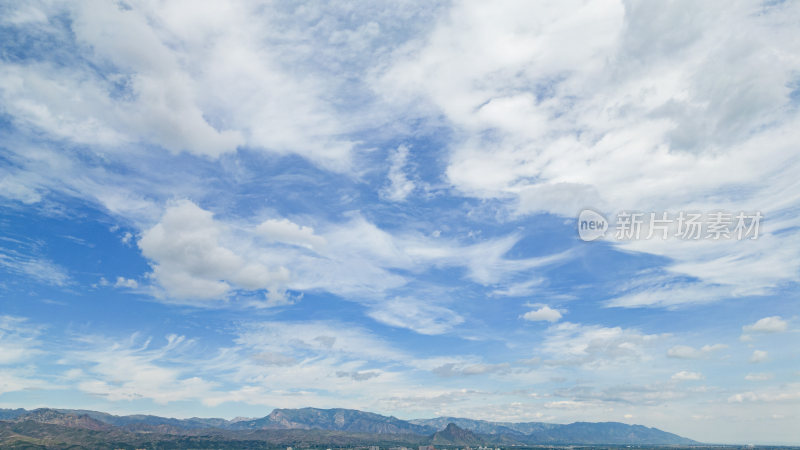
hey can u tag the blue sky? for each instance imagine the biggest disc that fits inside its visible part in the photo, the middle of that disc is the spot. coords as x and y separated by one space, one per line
216 209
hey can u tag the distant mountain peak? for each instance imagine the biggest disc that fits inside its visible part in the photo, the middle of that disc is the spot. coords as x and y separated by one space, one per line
455 435
335 419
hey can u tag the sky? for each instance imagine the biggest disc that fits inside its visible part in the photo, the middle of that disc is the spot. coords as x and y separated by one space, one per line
215 209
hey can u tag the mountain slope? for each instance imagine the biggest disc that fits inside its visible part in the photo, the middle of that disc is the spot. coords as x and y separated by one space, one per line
607 433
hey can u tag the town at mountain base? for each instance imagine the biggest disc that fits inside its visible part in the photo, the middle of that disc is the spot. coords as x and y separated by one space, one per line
55 428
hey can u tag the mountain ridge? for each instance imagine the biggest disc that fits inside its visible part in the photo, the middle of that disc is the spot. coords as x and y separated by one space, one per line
349 425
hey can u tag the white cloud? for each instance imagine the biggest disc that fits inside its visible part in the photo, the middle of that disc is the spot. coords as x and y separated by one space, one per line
487 263
786 393
456 369
197 256
190 261
286 231
317 339
168 86
41 97
277 364
399 185
418 315
274 359
165 107
24 14
128 370
684 375
687 352
126 283
546 107
34 267
20 345
670 295
759 356
541 127
520 289
16 379
544 313
595 346
13 189
19 340
346 365
772 324
650 394
758 376
570 404
358 376
605 104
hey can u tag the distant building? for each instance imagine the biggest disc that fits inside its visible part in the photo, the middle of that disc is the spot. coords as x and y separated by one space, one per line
427 447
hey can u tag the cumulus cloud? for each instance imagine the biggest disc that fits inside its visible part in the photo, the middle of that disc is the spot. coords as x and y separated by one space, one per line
126 283
545 313
685 375
772 324
759 356
191 262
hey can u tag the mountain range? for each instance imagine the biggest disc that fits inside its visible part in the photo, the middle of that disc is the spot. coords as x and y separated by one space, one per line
55 428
